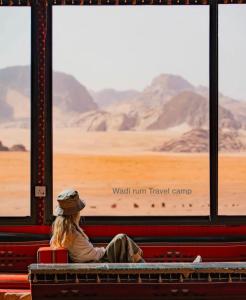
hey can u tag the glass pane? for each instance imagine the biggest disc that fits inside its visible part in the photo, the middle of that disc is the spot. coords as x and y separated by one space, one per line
131 108
15 41
232 109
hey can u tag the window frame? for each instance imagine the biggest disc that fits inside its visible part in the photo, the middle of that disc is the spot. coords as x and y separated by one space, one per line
28 220
155 220
46 168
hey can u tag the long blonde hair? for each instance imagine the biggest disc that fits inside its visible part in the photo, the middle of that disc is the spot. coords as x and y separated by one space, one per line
63 229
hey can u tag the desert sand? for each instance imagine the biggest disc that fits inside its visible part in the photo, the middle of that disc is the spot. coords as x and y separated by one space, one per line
152 183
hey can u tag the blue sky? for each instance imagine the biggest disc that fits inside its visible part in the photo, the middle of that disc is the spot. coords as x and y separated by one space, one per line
126 47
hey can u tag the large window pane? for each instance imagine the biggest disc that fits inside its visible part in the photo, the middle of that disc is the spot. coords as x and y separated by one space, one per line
15 41
232 109
131 108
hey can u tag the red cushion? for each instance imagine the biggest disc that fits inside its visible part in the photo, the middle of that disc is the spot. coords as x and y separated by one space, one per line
14 281
49 255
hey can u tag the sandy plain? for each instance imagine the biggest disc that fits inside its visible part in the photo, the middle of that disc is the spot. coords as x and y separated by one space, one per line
118 174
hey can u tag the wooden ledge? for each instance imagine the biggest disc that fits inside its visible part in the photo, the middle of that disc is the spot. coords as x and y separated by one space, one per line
137 273
92 268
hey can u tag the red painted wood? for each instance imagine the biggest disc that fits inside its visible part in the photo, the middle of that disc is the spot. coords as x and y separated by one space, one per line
140 230
15 257
145 291
168 253
187 252
14 281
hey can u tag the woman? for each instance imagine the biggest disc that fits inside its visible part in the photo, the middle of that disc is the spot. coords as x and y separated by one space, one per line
67 233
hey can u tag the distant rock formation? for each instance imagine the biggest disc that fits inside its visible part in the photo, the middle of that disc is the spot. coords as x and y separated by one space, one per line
169 101
164 87
18 148
3 148
193 109
229 141
103 121
236 107
197 140
187 110
107 97
69 96
14 148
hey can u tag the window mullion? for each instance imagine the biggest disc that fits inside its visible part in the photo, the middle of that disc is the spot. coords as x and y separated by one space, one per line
213 108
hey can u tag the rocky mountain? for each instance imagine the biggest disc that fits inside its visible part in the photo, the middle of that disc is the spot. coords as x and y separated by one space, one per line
193 109
107 97
103 121
3 148
14 148
197 140
237 108
69 96
169 101
187 109
18 148
231 141
163 88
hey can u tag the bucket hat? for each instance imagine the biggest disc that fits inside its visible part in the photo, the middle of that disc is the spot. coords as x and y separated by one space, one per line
69 203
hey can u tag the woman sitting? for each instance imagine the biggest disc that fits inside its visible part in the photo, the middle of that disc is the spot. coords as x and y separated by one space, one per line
67 233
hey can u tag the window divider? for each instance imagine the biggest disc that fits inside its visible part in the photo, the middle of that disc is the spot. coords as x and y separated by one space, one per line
213 109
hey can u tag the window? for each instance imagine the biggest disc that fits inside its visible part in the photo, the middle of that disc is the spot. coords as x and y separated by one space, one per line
15 41
232 109
131 109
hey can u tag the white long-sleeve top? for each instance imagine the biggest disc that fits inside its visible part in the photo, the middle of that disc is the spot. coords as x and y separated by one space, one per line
82 250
